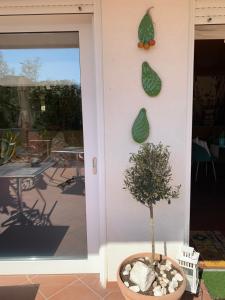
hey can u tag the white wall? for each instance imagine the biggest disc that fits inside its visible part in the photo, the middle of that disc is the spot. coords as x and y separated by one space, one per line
127 221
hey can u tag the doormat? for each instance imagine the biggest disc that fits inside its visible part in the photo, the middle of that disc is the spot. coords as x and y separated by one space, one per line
19 292
211 245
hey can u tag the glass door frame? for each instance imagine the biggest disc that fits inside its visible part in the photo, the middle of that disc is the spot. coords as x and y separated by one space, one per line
83 24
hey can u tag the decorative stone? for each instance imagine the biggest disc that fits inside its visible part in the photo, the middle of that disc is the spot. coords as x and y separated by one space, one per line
154 284
163 284
166 280
174 272
171 289
168 268
141 259
164 291
162 272
147 258
178 277
164 275
174 283
134 288
162 267
160 278
125 273
127 267
142 275
126 283
157 291
168 263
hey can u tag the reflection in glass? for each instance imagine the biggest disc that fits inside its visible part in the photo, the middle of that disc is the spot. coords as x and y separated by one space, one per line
42 182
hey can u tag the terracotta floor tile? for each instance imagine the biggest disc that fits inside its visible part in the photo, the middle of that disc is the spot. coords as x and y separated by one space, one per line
76 290
40 297
32 276
92 280
13 280
116 295
81 275
50 284
112 285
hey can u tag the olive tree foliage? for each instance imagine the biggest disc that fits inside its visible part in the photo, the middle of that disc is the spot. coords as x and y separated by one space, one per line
149 179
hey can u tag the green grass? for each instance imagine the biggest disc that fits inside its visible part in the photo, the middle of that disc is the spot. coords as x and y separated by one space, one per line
215 283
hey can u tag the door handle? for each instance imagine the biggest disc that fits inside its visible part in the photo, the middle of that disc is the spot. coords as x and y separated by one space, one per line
94 165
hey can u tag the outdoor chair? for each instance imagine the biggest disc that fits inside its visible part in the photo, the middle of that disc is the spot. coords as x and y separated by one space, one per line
201 155
7 150
58 143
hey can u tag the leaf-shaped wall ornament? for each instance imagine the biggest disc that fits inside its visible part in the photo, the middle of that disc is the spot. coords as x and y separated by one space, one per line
150 80
140 129
146 32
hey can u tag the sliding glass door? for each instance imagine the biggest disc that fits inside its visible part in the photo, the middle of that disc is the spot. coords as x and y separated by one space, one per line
48 185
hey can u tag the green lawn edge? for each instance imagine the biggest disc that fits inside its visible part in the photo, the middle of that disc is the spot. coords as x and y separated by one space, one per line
215 283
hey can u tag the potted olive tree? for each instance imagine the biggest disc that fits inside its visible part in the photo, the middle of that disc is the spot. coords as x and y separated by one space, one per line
147 275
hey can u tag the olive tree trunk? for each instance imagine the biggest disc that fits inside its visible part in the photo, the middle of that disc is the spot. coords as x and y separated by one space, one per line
152 232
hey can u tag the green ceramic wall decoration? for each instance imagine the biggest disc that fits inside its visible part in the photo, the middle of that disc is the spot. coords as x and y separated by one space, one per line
146 33
150 80
140 129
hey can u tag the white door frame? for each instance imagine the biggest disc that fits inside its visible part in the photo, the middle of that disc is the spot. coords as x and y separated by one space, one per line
97 22
95 263
190 75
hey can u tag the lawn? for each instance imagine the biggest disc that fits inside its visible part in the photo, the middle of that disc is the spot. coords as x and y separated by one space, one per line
215 283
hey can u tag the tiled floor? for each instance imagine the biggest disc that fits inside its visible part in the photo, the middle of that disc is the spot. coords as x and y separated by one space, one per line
77 287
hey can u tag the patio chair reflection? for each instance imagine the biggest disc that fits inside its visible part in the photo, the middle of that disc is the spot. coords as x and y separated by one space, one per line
33 217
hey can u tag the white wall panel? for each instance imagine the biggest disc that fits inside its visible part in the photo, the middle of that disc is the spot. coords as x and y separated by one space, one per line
128 221
17 7
209 11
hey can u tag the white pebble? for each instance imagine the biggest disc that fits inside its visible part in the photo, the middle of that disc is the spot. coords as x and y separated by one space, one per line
168 263
174 272
125 272
168 268
126 283
162 268
164 276
164 291
127 267
162 272
174 283
178 277
158 293
163 284
134 288
171 289
157 288
154 284
166 280
141 259
147 258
